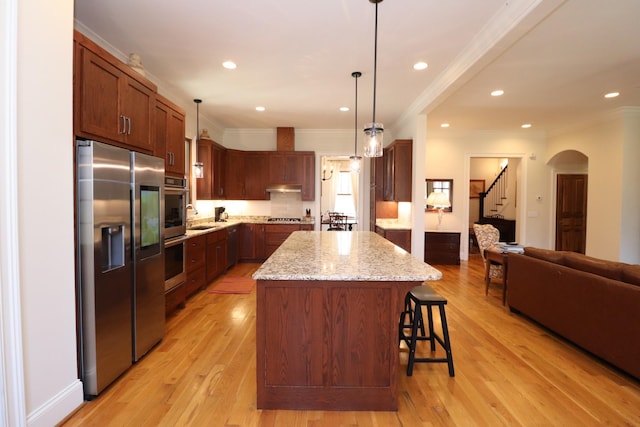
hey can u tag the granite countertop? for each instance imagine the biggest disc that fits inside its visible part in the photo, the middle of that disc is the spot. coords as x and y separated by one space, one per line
392 224
221 225
343 255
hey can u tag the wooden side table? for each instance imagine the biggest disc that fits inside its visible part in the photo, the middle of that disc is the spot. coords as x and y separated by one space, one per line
442 247
495 256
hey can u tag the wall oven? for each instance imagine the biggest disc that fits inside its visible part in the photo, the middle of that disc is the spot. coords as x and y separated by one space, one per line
175 207
174 268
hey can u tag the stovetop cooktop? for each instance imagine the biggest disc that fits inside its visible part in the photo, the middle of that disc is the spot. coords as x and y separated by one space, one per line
283 219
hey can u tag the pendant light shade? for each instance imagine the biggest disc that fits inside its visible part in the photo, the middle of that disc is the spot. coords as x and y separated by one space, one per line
355 159
198 167
374 131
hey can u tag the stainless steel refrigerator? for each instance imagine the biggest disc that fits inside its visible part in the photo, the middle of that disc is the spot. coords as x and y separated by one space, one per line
120 213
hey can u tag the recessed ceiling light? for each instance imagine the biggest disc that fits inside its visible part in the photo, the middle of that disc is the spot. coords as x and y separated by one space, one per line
420 65
230 65
612 94
526 126
260 108
344 108
498 92
444 125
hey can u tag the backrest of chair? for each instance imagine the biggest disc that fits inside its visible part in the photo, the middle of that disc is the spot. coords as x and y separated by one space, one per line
337 221
486 235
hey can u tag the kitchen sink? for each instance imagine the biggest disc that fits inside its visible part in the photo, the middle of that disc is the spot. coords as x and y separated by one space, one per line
203 227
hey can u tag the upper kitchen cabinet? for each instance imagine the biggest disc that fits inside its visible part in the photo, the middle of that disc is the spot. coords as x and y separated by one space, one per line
170 136
247 173
294 167
213 157
397 171
112 103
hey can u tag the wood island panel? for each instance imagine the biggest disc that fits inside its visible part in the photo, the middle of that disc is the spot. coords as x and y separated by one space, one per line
327 309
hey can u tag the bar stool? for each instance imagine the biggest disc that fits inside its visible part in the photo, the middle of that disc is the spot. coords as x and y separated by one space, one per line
414 301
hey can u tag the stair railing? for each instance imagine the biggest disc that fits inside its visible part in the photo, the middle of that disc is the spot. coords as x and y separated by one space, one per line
495 195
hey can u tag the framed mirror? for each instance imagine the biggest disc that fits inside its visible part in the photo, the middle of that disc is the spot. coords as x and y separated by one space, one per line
438 186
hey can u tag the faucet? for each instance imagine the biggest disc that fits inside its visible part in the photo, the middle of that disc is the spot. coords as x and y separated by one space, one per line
190 206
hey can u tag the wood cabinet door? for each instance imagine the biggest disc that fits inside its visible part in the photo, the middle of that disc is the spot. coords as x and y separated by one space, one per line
218 164
258 236
308 177
176 143
137 106
204 185
236 174
99 94
246 242
277 166
388 178
402 170
256 175
160 148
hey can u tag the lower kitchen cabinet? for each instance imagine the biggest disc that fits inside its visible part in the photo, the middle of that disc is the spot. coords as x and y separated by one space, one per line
174 298
442 247
400 238
195 264
276 234
216 254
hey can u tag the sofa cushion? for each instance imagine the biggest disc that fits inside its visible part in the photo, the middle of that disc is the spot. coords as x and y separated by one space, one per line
609 269
631 274
556 257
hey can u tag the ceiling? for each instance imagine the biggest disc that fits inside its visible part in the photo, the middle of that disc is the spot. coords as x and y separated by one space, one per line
554 59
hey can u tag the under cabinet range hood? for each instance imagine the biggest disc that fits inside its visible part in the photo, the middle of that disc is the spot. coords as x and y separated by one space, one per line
284 188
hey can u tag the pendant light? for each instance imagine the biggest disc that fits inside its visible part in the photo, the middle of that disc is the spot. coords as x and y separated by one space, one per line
355 159
373 130
198 167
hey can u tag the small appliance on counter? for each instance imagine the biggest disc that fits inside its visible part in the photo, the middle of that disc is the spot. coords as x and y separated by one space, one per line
220 214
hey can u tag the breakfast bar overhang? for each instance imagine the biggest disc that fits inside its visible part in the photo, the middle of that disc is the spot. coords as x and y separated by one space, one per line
328 305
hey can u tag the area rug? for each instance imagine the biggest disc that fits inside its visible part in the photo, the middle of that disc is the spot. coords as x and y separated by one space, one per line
234 285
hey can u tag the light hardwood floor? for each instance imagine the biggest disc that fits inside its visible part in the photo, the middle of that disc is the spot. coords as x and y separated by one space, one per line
509 372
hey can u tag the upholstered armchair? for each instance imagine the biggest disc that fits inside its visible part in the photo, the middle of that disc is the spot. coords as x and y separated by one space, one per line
488 236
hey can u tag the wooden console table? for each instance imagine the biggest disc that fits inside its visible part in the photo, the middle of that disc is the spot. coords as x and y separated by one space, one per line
442 247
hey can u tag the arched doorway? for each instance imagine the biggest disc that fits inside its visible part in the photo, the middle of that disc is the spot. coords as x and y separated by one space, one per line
571 172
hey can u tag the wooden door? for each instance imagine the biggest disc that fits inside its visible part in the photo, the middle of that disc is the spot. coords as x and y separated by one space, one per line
571 213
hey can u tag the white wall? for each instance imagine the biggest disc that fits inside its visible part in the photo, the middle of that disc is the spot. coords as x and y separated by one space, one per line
611 146
45 206
448 155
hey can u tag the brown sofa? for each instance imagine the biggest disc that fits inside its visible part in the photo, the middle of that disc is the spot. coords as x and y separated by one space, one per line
593 303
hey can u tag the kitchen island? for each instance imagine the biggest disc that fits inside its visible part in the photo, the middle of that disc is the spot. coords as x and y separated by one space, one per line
328 305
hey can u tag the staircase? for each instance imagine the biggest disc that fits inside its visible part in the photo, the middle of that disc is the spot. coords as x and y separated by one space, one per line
493 200
492 203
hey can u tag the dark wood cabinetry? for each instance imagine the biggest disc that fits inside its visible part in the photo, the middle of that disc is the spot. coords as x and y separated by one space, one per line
442 247
170 136
195 264
398 159
247 173
400 238
112 102
216 254
275 235
294 167
213 158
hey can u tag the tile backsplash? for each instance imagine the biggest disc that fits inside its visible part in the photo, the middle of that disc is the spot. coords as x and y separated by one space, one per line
286 205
